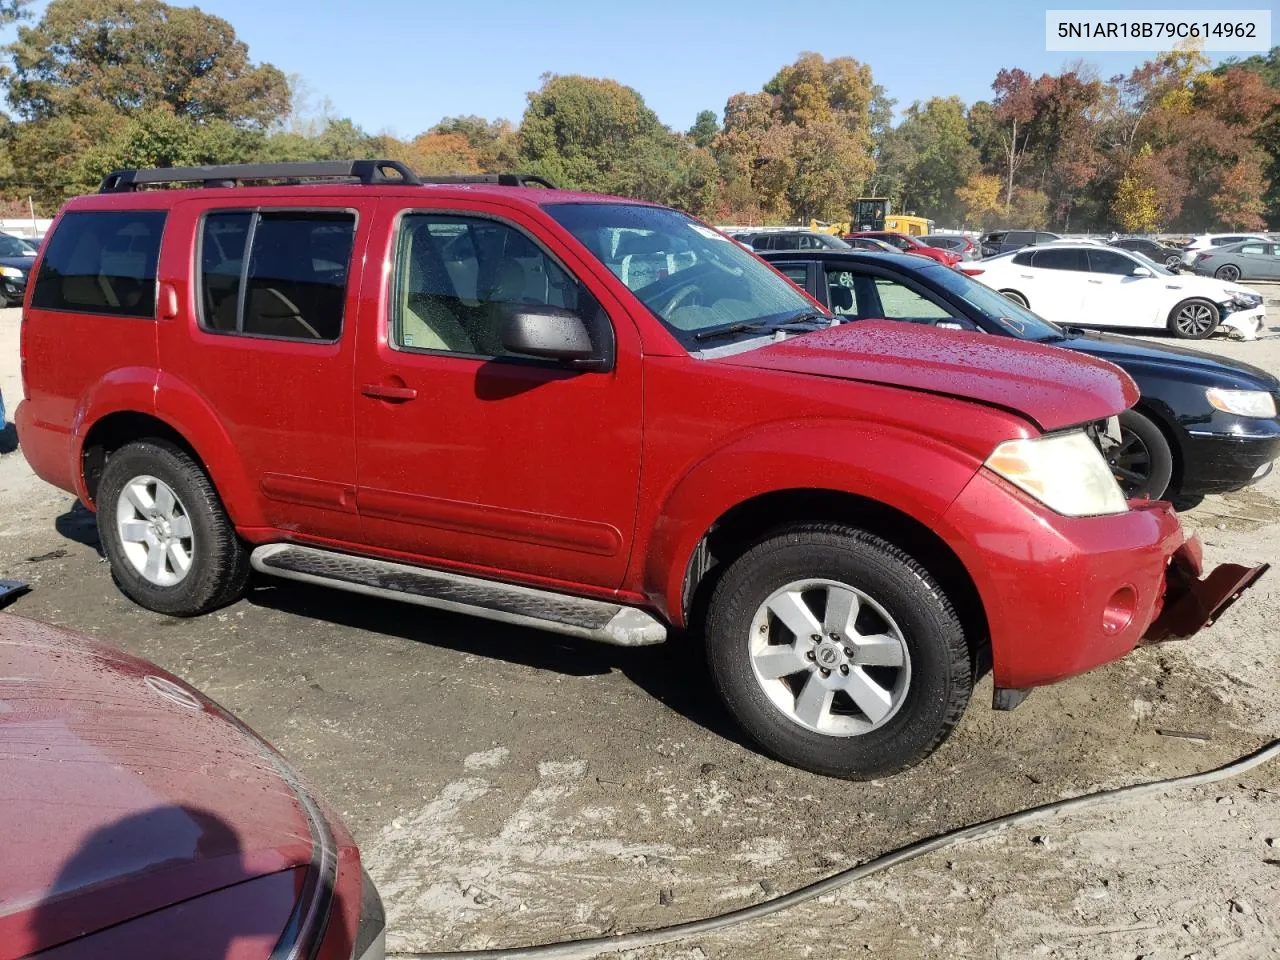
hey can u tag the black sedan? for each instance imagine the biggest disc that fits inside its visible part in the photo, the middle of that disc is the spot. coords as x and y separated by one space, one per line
1165 253
1203 424
16 258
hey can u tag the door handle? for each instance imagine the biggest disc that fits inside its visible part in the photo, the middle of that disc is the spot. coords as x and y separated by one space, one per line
1027 276
1095 281
382 391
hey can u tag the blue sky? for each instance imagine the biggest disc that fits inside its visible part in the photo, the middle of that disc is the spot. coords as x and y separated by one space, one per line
400 65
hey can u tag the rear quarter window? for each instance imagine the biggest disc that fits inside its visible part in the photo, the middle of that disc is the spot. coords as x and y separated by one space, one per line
102 262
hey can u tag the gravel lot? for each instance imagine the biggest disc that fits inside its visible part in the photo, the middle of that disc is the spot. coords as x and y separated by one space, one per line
509 787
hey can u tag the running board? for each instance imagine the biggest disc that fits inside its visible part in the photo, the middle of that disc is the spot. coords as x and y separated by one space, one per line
540 609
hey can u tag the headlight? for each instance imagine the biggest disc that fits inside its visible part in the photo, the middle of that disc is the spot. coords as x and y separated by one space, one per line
1243 403
13 272
1064 471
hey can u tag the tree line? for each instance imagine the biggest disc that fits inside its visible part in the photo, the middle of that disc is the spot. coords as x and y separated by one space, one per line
95 85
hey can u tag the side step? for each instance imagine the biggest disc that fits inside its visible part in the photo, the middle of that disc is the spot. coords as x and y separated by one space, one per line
541 609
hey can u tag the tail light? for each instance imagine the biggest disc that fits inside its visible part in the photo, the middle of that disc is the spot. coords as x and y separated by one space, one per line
1203 256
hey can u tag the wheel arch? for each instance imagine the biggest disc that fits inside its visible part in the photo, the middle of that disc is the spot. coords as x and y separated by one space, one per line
759 517
1005 291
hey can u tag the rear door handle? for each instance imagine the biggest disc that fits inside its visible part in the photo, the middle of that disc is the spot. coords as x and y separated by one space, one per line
1095 281
1027 276
382 391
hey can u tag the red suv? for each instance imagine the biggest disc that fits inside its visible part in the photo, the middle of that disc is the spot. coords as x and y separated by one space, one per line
593 416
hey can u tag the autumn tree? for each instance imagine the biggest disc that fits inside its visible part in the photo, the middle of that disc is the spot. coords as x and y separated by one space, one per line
936 158
1136 206
493 142
127 56
981 201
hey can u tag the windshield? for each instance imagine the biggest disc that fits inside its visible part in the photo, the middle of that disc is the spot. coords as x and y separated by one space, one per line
14 247
692 278
1019 321
1156 268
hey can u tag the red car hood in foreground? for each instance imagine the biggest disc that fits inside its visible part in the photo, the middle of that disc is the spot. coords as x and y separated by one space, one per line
123 791
1054 388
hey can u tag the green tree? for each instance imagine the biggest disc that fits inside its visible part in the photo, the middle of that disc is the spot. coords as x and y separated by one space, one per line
135 55
704 129
939 159
493 142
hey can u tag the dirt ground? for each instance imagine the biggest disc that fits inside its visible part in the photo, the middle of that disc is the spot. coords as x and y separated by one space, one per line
509 787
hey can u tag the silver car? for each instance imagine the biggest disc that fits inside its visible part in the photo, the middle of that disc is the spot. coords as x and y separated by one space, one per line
1246 260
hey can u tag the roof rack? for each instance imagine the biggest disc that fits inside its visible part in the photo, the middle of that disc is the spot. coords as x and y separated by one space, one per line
501 179
368 172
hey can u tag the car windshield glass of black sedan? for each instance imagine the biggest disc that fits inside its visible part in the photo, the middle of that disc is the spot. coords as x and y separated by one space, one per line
1019 321
692 278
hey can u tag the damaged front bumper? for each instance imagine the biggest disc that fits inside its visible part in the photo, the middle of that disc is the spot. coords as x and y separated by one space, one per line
1192 602
1244 322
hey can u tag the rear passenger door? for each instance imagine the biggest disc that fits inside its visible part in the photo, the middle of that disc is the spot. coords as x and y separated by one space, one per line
1054 286
267 343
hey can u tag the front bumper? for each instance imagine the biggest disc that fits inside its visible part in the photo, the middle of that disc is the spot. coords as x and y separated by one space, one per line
1246 322
1062 595
1221 460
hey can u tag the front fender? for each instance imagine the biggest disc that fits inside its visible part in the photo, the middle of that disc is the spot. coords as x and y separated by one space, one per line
914 474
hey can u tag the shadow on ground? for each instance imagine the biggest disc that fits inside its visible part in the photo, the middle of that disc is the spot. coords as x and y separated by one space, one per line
674 673
8 438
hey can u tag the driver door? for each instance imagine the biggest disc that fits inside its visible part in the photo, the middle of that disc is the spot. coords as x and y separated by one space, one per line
1114 297
467 454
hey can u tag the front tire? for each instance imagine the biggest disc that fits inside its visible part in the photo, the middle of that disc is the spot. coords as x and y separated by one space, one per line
837 652
1143 463
1193 319
171 545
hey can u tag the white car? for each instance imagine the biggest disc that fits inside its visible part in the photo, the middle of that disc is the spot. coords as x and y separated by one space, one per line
1089 286
1197 245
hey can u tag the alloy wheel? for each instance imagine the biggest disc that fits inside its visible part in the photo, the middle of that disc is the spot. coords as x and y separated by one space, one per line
155 531
1130 462
1194 319
829 657
1229 272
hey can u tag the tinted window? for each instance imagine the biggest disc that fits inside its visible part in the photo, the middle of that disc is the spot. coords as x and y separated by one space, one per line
946 243
13 247
1023 259
1108 261
459 279
1046 237
799 274
102 263
294 284
1060 260
1019 236
900 302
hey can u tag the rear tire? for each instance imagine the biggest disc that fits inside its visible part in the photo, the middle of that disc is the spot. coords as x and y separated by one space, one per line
1228 272
1017 298
1194 319
898 669
171 545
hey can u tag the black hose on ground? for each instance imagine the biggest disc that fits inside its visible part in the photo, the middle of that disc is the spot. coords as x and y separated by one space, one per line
595 946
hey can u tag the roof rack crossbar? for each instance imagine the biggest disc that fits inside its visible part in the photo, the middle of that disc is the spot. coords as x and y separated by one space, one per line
361 171
501 179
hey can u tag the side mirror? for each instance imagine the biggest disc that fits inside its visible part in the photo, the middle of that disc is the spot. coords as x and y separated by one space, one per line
1141 272
550 333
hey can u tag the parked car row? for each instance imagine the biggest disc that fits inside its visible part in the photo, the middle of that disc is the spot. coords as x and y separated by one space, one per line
596 417
1202 424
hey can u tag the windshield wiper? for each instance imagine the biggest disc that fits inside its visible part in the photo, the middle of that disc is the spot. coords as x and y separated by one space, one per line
801 322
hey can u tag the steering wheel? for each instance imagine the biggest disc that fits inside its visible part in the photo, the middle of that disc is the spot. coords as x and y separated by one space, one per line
687 292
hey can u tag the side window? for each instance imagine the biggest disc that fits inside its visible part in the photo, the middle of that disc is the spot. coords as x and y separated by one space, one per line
1062 260
1255 248
102 262
458 280
1020 237
899 302
1108 261
762 243
1045 238
842 293
290 283
797 274
1023 259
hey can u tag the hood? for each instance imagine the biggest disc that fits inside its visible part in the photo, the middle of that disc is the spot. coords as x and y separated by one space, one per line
132 791
1127 350
1211 287
1053 388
